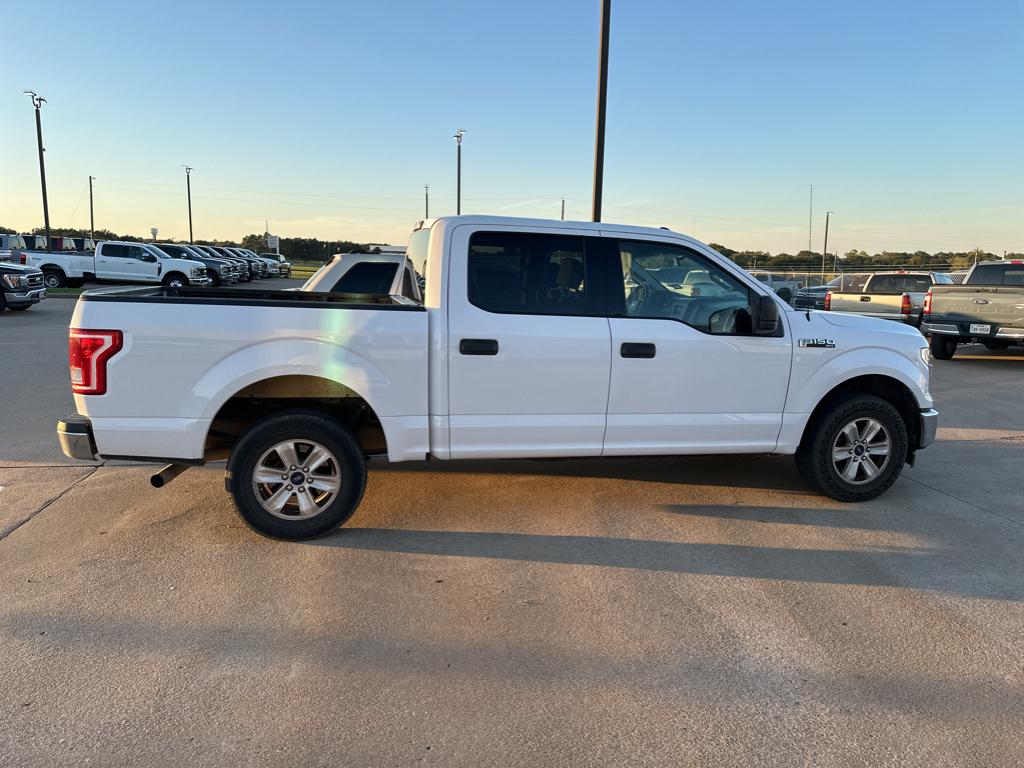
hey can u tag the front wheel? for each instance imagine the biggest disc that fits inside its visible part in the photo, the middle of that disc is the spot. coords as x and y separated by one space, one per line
855 450
297 475
54 279
175 280
943 347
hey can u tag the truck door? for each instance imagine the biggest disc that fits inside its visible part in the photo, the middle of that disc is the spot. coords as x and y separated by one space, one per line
528 344
687 375
109 261
143 264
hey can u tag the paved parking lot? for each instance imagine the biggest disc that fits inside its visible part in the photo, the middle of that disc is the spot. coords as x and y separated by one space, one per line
642 612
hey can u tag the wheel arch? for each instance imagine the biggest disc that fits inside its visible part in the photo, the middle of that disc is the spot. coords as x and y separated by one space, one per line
883 386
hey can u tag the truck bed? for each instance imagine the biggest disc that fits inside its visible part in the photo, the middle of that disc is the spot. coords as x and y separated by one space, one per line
157 294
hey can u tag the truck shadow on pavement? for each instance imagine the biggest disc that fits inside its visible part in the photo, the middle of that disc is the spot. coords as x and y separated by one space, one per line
953 572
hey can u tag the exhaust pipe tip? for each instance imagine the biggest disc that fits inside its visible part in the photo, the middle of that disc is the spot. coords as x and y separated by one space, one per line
165 475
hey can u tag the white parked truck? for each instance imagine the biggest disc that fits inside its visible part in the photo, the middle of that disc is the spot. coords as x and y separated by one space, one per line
119 262
534 339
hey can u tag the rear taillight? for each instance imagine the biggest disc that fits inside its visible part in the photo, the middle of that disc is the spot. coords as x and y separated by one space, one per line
905 305
22 258
88 353
927 310
828 300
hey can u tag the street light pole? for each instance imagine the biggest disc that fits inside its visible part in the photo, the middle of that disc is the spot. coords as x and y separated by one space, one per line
458 169
563 209
602 107
37 102
92 220
426 201
824 249
188 189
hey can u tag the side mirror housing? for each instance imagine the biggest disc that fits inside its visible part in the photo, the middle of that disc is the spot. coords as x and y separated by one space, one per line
766 317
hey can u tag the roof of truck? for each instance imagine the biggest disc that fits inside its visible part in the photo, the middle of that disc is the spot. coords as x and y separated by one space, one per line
515 221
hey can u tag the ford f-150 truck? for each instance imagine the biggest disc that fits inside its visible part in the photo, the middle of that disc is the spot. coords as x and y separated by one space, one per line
534 339
988 308
20 286
889 296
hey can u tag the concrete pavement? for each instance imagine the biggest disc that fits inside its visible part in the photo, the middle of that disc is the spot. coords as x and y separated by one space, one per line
700 611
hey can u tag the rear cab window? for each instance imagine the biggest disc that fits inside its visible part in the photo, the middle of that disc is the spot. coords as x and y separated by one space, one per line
374 277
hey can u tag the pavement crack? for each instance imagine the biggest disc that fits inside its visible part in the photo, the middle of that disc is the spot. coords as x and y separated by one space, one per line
965 501
8 531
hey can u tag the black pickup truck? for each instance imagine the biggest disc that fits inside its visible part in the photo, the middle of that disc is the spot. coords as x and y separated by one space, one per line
20 286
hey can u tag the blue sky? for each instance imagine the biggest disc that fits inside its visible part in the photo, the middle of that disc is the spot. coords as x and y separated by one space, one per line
328 118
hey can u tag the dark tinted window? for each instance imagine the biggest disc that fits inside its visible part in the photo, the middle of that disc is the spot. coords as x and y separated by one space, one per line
174 250
367 277
115 251
529 274
407 289
998 274
899 284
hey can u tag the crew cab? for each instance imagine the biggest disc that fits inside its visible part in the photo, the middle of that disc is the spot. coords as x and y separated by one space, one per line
987 308
20 286
535 339
386 274
897 295
120 262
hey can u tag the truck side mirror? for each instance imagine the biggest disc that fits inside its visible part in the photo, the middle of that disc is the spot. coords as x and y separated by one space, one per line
766 316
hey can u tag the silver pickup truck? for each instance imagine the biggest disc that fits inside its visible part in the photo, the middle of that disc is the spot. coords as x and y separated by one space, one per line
988 308
897 295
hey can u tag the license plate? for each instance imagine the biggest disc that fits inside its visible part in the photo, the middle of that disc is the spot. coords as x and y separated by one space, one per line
981 328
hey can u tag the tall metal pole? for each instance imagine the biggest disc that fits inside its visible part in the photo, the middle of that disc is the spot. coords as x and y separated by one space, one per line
563 209
602 107
824 249
458 169
37 102
188 189
426 201
810 221
92 220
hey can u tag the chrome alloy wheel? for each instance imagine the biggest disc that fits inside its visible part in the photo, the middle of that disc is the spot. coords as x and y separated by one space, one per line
296 479
861 451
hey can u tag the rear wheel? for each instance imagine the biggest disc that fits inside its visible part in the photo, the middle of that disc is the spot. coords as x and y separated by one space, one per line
943 347
297 475
54 278
855 450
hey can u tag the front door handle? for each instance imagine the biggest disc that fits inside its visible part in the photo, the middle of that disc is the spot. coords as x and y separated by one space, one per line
632 349
478 347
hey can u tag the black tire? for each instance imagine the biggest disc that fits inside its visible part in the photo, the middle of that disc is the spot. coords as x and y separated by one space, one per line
175 280
3 302
996 346
54 278
214 279
815 459
786 296
943 347
299 426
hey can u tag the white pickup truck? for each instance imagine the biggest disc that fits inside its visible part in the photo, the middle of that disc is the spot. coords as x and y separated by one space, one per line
119 262
534 339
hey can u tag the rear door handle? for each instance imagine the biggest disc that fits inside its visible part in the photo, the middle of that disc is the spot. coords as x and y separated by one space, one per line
633 349
478 347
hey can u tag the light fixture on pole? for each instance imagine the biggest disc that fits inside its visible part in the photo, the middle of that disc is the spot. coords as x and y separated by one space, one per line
602 107
188 189
458 169
37 102
824 249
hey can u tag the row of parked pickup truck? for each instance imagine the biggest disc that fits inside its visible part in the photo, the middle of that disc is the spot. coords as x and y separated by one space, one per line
175 265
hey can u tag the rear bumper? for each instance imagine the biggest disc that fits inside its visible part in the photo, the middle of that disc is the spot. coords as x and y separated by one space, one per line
963 330
929 426
76 439
24 298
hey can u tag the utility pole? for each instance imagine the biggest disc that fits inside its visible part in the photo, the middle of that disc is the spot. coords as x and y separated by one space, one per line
602 107
824 249
426 201
188 188
563 209
810 221
92 220
458 169
37 102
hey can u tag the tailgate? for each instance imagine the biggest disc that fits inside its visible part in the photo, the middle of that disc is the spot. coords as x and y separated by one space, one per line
1000 307
878 304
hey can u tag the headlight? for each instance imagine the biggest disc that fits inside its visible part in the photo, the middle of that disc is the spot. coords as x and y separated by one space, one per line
15 281
926 355
197 272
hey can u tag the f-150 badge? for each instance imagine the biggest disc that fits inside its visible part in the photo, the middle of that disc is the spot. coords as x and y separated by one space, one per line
826 343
